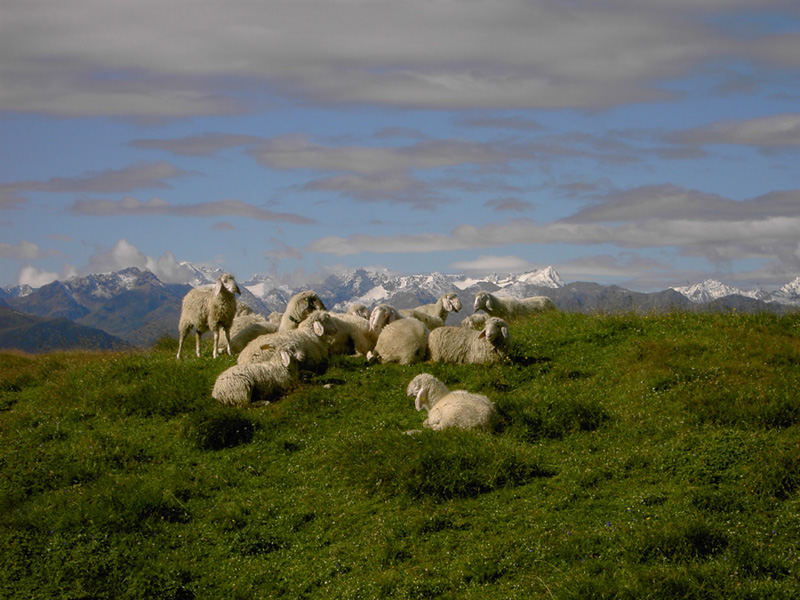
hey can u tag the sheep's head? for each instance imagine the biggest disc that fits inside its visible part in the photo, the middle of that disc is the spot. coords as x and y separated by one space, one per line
382 315
303 304
359 310
227 281
495 331
483 301
426 390
451 303
291 354
321 323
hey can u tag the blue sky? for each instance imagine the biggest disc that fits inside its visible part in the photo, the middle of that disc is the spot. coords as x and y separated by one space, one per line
646 144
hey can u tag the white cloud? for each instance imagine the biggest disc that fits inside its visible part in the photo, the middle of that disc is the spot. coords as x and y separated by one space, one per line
124 254
490 264
35 278
89 57
771 132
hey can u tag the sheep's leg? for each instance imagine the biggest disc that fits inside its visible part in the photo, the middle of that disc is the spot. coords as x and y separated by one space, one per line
182 333
216 342
228 339
197 343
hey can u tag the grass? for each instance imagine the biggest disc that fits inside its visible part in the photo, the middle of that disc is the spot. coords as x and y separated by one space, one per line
635 457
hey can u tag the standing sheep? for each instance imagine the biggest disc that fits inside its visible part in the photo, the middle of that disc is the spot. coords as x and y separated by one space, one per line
400 339
467 346
207 309
242 384
435 315
298 308
507 307
458 408
312 338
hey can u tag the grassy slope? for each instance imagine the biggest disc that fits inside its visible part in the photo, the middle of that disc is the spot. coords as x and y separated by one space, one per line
637 457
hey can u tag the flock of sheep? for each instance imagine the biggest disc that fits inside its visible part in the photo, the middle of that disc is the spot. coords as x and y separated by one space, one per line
272 351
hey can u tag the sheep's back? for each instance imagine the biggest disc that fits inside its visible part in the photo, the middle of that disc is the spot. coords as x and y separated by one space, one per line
461 409
451 344
404 341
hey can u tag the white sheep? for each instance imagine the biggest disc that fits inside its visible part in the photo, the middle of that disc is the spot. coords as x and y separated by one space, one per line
467 346
359 310
353 335
507 307
475 321
207 309
400 339
248 325
240 385
435 315
312 338
298 308
458 408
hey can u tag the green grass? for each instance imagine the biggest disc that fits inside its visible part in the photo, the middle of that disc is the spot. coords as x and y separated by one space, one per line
634 457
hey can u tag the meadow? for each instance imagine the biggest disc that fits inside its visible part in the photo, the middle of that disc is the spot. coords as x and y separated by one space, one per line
637 456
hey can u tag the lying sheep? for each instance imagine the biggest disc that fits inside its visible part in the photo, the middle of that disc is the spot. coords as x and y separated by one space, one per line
353 335
359 310
209 309
458 408
312 338
248 325
435 315
256 382
467 346
475 321
400 339
507 307
298 308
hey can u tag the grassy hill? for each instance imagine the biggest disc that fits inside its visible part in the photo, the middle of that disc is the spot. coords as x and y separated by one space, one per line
637 457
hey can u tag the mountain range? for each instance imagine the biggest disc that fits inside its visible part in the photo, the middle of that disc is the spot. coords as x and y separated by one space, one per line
132 307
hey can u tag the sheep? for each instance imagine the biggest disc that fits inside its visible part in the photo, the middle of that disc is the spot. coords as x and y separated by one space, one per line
298 308
446 408
467 346
248 325
507 307
400 339
435 315
264 381
312 338
358 309
207 309
475 321
353 335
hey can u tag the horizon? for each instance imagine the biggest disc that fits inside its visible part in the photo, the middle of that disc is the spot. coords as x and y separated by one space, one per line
645 145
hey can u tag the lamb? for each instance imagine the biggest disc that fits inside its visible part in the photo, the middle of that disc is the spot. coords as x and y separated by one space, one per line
507 307
207 309
400 339
248 325
467 346
242 384
458 408
312 338
298 308
435 315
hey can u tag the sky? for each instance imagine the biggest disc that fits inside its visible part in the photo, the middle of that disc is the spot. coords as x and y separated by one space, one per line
644 143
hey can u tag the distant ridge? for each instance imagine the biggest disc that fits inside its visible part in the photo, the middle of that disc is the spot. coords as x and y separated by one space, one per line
135 306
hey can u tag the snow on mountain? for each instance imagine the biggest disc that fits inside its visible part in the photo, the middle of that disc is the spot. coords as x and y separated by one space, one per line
712 289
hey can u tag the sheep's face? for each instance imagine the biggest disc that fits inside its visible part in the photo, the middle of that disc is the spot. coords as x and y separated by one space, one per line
496 332
227 281
323 324
482 301
451 303
381 315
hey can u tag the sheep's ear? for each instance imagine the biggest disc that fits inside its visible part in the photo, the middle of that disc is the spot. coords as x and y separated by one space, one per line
286 358
319 330
218 287
422 397
504 332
